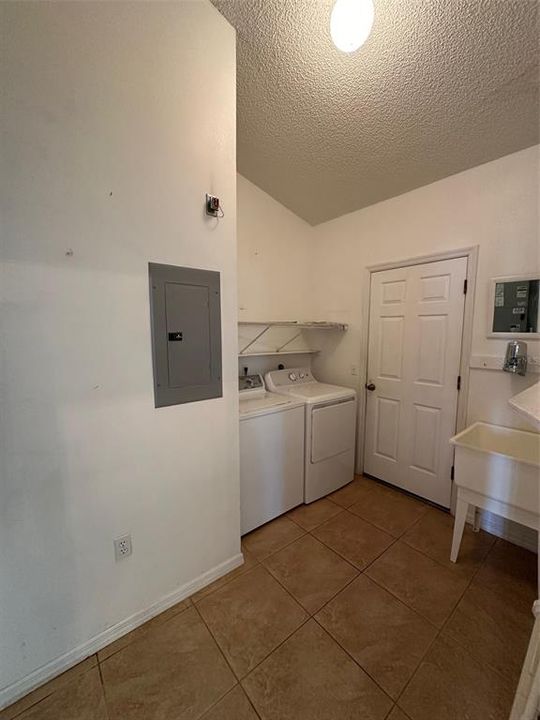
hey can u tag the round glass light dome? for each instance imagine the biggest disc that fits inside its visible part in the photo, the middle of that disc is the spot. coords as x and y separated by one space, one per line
350 23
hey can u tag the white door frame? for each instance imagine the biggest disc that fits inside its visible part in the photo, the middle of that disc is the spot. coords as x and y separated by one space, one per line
471 253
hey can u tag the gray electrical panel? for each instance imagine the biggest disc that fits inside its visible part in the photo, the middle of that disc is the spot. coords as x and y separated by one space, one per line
186 334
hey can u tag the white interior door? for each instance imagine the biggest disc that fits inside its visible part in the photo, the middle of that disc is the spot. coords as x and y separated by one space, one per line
415 332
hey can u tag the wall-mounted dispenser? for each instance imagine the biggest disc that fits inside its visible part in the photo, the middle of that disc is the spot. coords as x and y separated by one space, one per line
515 360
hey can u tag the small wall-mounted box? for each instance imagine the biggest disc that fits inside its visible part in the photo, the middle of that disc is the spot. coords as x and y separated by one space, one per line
213 207
186 334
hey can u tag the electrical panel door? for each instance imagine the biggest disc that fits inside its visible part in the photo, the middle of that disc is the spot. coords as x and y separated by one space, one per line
186 334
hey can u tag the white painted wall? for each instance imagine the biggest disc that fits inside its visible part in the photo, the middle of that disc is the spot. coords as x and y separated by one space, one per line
118 117
494 206
274 280
273 255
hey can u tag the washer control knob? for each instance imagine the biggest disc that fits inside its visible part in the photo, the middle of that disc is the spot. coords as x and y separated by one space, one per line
302 376
292 376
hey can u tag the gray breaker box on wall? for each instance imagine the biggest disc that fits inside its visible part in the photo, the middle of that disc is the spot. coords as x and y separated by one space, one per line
186 334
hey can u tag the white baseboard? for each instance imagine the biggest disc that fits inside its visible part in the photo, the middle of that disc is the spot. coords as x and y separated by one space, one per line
507 530
22 687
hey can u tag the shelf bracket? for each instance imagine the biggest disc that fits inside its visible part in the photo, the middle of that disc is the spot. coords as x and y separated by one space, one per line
251 342
280 348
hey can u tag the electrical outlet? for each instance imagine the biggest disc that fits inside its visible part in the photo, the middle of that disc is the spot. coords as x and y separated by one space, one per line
354 369
122 547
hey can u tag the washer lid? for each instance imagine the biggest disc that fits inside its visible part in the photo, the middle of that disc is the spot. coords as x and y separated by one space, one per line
315 392
267 402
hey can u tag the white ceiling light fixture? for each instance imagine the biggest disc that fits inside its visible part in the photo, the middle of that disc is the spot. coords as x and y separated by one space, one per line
350 23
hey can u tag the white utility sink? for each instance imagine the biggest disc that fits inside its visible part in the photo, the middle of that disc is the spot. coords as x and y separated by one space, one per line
496 469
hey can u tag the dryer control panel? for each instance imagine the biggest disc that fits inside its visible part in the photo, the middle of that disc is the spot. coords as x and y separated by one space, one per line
291 376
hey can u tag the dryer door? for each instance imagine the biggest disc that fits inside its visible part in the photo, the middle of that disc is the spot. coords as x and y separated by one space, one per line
332 429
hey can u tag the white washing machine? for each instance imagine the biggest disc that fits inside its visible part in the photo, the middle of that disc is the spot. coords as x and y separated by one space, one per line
330 437
271 453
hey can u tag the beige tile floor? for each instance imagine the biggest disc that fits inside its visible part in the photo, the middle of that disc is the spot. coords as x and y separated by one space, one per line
344 609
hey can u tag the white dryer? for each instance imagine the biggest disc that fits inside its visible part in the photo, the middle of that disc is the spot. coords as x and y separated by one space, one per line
271 453
330 438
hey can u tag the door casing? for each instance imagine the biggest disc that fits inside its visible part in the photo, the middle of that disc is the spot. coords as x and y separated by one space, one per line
471 253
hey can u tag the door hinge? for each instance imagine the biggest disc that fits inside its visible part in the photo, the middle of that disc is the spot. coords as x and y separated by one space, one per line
459 382
465 286
452 473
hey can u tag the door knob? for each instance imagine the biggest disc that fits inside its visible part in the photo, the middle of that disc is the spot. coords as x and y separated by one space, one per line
370 386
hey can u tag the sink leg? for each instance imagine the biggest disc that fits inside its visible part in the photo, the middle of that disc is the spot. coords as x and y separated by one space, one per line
476 520
462 507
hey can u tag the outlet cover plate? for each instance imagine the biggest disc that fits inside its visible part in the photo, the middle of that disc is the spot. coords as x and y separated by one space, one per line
122 547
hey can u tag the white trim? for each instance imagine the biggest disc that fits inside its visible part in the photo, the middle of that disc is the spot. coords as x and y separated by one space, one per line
495 362
491 303
471 253
22 687
422 259
362 372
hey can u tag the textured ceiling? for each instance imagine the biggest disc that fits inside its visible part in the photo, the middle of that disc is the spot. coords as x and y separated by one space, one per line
440 86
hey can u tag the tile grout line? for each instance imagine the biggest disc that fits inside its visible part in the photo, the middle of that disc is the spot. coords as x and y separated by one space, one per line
454 610
238 684
260 563
439 630
32 705
418 550
307 619
326 520
368 522
388 532
235 676
437 627
295 600
430 623
362 668
139 627
282 642
311 616
304 532
343 509
421 615
225 581
358 573
201 617
382 587
310 532
3 712
103 687
363 571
